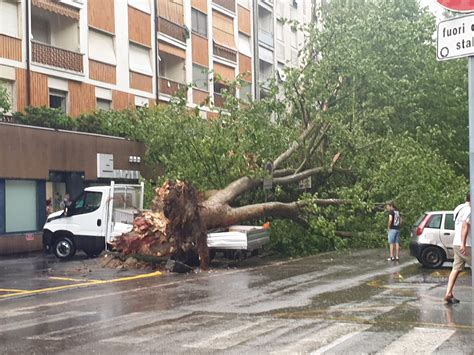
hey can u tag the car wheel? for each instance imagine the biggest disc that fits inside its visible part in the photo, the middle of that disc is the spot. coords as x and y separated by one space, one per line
64 248
432 257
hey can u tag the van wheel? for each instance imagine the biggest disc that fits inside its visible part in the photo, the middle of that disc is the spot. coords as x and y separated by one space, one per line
64 248
432 257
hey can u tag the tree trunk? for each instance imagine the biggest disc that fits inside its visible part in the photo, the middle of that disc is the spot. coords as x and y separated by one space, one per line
178 224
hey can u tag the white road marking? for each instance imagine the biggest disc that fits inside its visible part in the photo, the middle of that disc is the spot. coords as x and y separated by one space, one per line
418 341
216 340
117 324
158 331
229 341
43 320
336 343
322 337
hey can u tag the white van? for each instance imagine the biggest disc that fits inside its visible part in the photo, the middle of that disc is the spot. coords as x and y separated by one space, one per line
94 219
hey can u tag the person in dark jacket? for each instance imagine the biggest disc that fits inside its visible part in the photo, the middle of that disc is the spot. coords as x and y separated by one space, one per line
393 227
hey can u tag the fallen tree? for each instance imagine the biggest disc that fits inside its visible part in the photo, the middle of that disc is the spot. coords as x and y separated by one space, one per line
178 223
341 120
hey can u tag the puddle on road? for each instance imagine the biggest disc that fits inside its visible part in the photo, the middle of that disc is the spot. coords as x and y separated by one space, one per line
400 300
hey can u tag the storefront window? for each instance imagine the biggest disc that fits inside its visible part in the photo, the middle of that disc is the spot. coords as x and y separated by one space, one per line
20 206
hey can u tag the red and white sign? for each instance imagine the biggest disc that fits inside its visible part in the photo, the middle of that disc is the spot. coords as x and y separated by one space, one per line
457 5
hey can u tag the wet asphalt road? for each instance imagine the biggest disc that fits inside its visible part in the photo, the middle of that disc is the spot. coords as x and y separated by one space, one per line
335 303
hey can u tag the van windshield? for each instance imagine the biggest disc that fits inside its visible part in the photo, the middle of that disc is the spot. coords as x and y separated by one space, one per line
418 221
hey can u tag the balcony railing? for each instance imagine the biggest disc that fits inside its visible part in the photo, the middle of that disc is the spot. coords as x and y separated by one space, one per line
57 57
224 52
170 87
265 37
226 4
171 29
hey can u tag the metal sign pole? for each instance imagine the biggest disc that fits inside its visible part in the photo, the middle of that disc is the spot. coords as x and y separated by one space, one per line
471 146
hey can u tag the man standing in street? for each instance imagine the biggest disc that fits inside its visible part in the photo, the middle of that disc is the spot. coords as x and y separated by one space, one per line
461 245
393 227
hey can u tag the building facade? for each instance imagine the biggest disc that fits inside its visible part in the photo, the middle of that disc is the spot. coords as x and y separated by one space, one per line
83 55
79 55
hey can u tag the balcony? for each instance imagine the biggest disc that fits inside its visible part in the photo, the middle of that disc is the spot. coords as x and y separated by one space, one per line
226 4
57 57
171 29
265 37
170 87
224 52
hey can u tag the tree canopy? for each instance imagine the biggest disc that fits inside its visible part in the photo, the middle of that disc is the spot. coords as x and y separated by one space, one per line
371 116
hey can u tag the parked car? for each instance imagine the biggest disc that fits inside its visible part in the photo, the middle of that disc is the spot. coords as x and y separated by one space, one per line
432 238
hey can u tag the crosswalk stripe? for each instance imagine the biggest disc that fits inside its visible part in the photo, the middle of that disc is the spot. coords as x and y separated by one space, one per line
336 343
43 320
230 341
116 324
418 341
323 337
211 341
158 331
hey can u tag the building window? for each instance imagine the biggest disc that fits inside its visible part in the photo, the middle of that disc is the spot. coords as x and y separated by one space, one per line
244 45
244 3
200 77
142 5
172 68
246 92
103 104
9 18
199 22
294 38
20 206
279 30
57 99
40 30
101 47
8 87
140 60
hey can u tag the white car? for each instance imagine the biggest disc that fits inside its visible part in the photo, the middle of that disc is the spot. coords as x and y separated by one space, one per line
432 238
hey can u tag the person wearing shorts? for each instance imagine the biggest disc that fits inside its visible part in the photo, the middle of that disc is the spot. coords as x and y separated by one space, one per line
461 246
393 227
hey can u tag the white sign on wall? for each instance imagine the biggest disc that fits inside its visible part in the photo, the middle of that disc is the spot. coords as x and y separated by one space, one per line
105 166
455 38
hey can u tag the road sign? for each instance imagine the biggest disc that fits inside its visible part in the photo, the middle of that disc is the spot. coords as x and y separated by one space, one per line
457 5
455 38
267 183
305 183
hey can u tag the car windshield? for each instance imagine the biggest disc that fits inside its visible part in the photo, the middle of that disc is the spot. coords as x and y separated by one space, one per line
418 221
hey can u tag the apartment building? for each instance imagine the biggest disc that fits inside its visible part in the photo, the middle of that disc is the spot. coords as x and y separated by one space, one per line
74 56
81 55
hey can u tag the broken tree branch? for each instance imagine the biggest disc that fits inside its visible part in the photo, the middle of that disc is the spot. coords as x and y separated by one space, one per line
226 216
233 190
294 146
